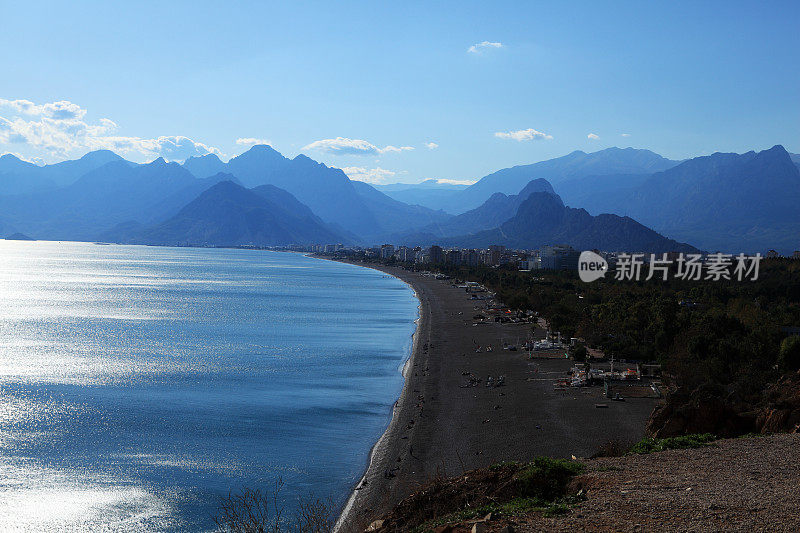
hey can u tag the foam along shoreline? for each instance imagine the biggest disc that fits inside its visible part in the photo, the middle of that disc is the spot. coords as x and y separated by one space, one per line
440 426
376 448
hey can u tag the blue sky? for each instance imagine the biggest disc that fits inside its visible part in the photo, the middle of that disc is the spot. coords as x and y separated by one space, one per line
368 86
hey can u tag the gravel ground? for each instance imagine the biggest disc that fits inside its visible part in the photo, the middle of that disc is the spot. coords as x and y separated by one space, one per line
749 484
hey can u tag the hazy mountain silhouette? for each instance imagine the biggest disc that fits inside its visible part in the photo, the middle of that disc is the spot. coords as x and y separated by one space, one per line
491 214
204 165
116 192
543 219
599 193
19 177
327 191
228 214
10 163
431 193
431 184
395 215
87 197
733 202
571 166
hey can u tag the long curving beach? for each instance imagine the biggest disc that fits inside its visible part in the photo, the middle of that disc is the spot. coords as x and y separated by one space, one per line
443 425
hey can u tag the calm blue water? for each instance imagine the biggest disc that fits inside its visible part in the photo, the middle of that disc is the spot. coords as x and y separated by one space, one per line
138 385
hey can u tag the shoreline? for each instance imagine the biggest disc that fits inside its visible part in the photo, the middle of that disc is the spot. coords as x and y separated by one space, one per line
364 488
443 426
341 522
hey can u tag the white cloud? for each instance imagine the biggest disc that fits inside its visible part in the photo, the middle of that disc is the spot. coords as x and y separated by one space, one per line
59 130
523 135
345 146
248 141
478 48
592 136
432 145
625 134
61 110
456 182
369 175
172 148
396 149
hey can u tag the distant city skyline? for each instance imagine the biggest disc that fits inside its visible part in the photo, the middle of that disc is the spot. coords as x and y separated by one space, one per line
398 93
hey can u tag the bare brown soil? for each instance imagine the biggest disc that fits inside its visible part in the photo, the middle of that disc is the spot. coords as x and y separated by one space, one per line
745 484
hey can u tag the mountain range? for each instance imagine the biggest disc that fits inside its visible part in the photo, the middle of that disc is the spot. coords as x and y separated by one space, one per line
20 177
542 219
116 192
729 202
432 193
575 165
228 214
355 207
491 214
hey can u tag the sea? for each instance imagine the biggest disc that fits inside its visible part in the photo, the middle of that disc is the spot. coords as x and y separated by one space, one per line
139 386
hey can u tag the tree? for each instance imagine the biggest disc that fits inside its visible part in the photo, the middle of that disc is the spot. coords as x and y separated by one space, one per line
257 511
580 353
789 356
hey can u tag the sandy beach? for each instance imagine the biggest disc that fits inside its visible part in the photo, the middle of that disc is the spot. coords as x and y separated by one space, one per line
443 426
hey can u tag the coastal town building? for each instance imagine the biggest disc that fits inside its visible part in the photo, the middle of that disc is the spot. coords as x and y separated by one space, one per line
386 251
559 257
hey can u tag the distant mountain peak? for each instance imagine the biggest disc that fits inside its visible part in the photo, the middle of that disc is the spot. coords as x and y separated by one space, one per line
302 158
626 149
225 177
537 185
204 165
496 196
226 184
228 214
12 163
100 155
262 149
544 219
575 165
491 214
723 201
259 153
206 157
778 149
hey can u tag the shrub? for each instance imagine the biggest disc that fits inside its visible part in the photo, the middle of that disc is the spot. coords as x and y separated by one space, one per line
556 509
257 511
546 478
649 445
613 448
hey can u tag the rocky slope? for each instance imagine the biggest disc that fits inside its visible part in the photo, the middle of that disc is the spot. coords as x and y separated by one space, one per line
705 410
745 484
